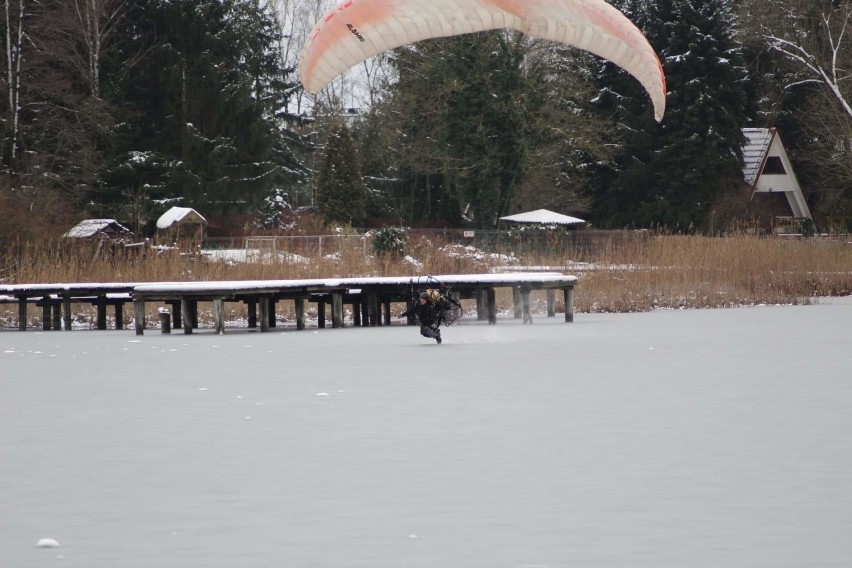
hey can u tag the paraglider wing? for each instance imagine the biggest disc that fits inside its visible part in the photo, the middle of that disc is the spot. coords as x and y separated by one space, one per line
356 30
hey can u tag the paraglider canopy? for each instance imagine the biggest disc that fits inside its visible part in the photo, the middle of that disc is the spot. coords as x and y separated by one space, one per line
356 30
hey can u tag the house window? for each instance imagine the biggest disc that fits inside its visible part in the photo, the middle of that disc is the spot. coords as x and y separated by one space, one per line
774 166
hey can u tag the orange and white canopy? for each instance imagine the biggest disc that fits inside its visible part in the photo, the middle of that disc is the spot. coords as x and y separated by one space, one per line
356 30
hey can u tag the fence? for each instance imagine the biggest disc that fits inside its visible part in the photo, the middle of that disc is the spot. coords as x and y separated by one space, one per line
582 245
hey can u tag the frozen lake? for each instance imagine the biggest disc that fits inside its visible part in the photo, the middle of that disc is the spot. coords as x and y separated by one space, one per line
669 439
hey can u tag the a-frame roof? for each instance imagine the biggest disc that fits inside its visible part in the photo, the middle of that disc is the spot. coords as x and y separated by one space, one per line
755 150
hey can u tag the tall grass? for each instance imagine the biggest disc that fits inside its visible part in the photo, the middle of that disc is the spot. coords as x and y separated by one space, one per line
660 271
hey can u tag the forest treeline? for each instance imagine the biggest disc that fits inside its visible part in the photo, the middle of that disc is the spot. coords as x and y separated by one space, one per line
123 108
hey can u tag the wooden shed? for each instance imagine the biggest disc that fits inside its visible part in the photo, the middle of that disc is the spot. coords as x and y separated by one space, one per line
182 227
92 229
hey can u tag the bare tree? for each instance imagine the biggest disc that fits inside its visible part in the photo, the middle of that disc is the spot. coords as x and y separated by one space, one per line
822 48
14 26
806 69
92 28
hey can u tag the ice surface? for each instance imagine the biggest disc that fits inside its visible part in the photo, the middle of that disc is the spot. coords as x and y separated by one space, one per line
667 439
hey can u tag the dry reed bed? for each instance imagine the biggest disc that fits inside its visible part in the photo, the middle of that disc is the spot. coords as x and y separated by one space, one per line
666 271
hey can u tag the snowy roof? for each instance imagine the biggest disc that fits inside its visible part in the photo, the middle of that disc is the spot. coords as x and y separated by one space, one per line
543 217
178 214
754 151
91 227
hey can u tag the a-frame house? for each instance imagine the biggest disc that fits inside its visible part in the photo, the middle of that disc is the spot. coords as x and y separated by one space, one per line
768 169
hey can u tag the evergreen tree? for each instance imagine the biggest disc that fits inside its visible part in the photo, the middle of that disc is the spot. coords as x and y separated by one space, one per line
203 86
340 193
671 174
464 105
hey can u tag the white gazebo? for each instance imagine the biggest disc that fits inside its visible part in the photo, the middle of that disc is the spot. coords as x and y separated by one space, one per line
542 217
181 226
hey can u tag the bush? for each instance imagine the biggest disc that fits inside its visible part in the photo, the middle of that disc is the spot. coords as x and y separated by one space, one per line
390 241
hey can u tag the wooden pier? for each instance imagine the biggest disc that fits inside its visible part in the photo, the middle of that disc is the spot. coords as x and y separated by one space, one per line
370 298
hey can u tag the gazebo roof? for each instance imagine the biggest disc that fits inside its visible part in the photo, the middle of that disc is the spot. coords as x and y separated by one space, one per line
179 215
543 217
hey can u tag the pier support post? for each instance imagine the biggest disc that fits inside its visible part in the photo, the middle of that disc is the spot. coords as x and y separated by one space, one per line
481 305
251 308
186 312
272 321
569 305
321 314
165 321
176 313
525 304
373 309
386 312
264 313
219 315
551 303
336 309
300 313
45 315
102 312
516 301
357 308
491 297
22 313
119 315
139 315
66 312
57 314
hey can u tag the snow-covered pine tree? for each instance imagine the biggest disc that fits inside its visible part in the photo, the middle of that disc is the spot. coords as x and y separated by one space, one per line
672 173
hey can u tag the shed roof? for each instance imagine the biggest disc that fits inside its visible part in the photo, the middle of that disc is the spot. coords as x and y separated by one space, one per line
91 227
178 215
543 217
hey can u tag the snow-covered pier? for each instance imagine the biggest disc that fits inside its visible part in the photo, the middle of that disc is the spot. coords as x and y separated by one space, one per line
55 300
370 298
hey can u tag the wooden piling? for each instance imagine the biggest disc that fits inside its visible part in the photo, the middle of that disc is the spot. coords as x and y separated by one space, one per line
22 313
186 313
219 315
264 313
66 312
525 304
251 308
300 313
336 310
551 303
357 308
119 315
102 310
176 314
516 302
491 296
569 305
321 314
56 306
272 321
481 305
386 312
139 315
373 309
